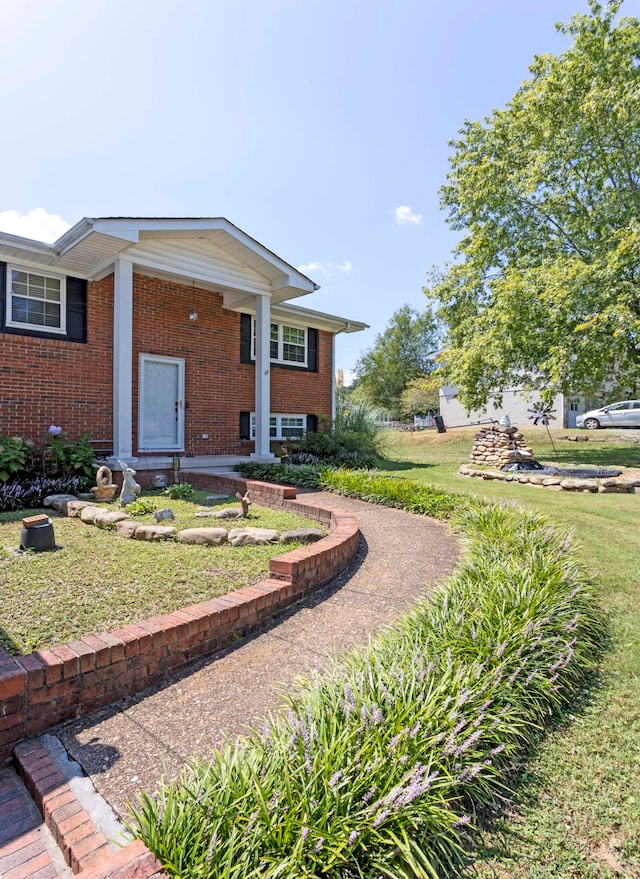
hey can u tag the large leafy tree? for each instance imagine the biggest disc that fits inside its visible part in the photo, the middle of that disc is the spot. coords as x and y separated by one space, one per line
398 355
545 289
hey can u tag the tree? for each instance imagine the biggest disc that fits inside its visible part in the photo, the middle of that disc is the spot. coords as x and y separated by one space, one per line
398 355
544 292
421 395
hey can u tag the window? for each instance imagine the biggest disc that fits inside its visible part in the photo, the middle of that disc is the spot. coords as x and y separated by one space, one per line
283 426
35 301
287 344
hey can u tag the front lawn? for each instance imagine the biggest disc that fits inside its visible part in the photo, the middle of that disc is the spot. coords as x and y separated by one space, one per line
96 580
578 808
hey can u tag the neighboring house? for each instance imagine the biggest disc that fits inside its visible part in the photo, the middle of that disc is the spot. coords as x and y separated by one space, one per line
516 403
146 333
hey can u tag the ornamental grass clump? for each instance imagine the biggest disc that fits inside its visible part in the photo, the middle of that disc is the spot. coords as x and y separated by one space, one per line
380 764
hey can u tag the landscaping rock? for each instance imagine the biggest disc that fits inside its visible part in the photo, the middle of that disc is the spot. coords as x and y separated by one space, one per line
252 536
200 536
75 507
154 532
109 517
161 515
59 502
127 528
302 535
88 513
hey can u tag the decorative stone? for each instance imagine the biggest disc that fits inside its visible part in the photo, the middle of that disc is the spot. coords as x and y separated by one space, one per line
130 488
154 532
89 513
109 517
252 536
105 488
127 528
160 515
200 536
302 535
75 507
59 502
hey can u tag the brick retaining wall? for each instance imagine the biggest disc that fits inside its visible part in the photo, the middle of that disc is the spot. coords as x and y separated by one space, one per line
50 686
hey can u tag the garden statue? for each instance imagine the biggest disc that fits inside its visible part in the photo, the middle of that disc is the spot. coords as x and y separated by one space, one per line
245 500
130 488
105 488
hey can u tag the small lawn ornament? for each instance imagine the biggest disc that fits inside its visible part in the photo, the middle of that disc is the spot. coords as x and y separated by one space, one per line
105 488
541 413
130 488
245 500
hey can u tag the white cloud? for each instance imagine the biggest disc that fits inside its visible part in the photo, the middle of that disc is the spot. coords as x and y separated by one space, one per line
404 214
36 224
326 269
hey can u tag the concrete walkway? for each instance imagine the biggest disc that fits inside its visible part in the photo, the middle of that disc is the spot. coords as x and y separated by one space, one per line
133 745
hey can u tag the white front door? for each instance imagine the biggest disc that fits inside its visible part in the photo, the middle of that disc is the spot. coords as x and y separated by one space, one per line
161 407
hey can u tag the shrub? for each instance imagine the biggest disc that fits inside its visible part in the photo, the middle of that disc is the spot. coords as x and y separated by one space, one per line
141 507
304 475
383 760
15 452
63 458
179 492
375 487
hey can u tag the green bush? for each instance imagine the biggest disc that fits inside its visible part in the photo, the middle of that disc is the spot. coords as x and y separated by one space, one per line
383 761
56 458
141 507
374 487
15 453
179 492
304 475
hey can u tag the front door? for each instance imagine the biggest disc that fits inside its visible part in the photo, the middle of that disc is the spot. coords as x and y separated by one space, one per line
161 408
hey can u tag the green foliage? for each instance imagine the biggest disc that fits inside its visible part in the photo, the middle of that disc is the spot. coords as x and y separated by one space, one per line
421 395
304 475
544 293
398 355
382 761
61 457
141 507
15 452
353 440
179 491
376 488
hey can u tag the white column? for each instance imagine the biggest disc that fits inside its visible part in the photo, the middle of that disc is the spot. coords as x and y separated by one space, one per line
123 361
263 377
333 379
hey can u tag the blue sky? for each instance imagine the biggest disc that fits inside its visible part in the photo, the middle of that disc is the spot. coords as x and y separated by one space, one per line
308 124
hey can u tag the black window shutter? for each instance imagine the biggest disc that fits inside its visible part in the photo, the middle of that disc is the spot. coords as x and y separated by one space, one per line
245 338
312 423
3 295
312 353
245 425
76 310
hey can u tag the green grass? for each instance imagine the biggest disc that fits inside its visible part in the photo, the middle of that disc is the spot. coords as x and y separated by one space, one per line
96 580
577 812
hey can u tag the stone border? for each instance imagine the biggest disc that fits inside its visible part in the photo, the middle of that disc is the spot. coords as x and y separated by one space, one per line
84 848
66 681
609 485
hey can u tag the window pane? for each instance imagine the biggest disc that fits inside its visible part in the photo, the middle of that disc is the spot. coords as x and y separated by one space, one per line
273 350
293 353
20 283
293 335
274 332
51 315
19 310
35 312
52 289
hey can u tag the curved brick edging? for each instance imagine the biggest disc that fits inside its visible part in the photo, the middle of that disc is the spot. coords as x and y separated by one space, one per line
50 686
84 848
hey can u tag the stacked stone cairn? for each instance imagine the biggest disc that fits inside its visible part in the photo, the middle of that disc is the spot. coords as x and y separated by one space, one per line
495 446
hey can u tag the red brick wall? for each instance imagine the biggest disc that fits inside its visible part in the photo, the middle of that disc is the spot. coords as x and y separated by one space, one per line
50 381
47 382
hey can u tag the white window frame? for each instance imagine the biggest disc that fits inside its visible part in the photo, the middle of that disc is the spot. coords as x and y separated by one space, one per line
280 358
38 328
277 426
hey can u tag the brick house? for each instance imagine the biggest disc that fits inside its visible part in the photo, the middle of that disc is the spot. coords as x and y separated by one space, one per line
146 333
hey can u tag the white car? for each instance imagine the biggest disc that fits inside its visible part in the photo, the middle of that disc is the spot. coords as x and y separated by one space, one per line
624 414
